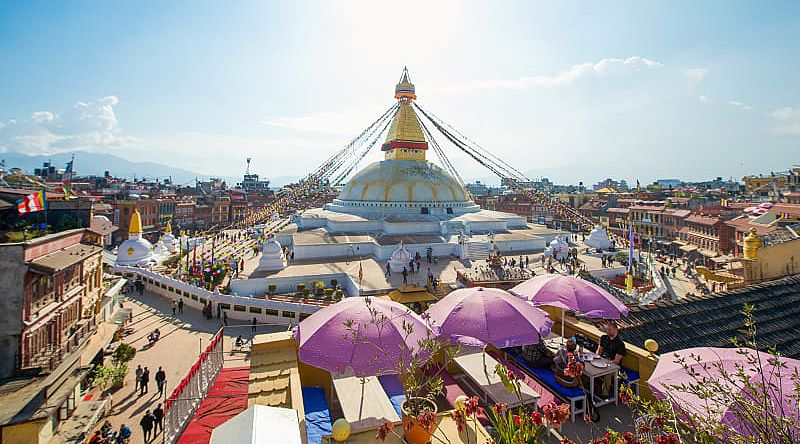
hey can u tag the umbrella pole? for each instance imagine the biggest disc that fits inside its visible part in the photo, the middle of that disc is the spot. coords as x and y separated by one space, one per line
361 404
563 312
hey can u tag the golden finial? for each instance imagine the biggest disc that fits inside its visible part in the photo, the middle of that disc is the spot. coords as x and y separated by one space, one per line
752 242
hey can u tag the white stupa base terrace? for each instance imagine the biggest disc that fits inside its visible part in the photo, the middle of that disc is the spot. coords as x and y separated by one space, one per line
319 233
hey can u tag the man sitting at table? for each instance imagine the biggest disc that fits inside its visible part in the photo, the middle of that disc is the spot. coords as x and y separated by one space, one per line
537 355
612 347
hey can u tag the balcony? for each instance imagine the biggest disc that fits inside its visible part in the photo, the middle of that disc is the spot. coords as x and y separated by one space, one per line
48 358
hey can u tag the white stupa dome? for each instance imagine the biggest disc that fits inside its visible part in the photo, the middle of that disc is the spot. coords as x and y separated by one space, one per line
135 250
272 257
558 248
168 239
598 238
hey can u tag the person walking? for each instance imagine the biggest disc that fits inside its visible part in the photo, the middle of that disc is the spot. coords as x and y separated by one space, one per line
145 381
388 269
138 383
161 379
158 416
174 308
180 306
147 424
405 275
225 318
253 328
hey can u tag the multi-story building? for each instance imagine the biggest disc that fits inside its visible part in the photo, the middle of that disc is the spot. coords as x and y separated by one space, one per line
184 214
51 290
123 209
710 235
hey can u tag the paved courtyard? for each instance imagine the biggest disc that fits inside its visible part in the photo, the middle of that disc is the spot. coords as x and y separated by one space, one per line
182 339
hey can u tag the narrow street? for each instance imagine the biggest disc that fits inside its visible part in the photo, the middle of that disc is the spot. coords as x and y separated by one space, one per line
182 339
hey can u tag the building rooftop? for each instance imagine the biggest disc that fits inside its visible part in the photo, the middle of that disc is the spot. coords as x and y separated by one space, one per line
65 257
700 321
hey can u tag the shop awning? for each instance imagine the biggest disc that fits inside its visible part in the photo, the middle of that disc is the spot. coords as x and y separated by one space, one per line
707 253
688 248
411 296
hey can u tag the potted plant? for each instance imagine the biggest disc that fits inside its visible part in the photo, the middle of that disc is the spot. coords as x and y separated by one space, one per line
319 287
420 376
301 288
338 294
334 283
271 288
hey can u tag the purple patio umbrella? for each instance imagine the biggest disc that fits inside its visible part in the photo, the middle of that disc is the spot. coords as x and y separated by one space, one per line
478 316
708 363
324 341
571 293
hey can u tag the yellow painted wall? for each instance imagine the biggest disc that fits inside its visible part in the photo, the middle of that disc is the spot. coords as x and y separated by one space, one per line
774 261
32 432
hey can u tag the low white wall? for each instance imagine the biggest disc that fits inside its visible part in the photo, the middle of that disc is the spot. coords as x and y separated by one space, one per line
288 284
243 308
608 273
658 291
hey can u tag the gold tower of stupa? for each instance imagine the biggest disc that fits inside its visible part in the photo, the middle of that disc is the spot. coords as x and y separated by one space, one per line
405 139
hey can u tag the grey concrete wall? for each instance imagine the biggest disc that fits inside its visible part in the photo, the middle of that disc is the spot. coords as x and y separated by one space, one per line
12 275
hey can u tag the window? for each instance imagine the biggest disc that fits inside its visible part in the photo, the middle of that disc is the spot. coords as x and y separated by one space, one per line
304 315
202 300
239 308
224 306
288 314
255 310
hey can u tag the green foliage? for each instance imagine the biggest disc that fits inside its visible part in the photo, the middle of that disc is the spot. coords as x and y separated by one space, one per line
123 354
271 288
106 377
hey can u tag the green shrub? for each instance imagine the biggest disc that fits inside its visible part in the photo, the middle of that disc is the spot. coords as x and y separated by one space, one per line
123 354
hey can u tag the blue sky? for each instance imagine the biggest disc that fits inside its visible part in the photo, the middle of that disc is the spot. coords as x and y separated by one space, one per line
576 91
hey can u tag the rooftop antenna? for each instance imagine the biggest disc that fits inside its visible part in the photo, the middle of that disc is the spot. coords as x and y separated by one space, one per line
247 172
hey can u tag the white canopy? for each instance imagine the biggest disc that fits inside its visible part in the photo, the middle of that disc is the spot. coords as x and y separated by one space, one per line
259 424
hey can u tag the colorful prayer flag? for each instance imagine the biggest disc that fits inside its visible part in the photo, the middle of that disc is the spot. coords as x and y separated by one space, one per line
32 202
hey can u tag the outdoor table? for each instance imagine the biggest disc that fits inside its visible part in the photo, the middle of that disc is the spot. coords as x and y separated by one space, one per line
363 401
593 372
479 367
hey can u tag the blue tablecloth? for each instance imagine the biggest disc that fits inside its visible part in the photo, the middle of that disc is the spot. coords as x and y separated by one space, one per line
318 416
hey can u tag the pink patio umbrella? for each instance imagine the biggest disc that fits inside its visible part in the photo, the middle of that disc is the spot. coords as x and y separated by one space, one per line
571 293
478 316
708 365
326 342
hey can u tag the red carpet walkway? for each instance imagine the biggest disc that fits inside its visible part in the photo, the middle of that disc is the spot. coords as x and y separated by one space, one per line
226 399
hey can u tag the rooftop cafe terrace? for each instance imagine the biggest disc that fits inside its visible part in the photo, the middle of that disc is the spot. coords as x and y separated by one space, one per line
369 368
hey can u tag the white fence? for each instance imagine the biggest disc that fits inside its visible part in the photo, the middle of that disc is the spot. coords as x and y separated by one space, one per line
193 388
242 308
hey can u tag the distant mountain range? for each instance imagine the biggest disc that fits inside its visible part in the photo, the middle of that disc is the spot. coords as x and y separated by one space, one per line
96 164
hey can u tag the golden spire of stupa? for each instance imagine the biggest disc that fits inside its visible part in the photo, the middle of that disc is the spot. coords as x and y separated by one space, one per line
168 228
135 226
405 139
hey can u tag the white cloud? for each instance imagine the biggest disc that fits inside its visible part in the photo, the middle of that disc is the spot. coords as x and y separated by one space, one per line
787 120
737 104
703 99
87 125
694 75
604 67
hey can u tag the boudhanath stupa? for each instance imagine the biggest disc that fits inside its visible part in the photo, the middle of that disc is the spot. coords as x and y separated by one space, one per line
405 198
